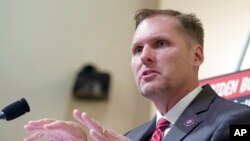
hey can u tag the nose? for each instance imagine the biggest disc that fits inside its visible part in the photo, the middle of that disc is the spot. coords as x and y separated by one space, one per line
147 56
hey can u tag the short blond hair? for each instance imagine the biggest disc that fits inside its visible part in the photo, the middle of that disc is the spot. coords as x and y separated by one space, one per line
192 26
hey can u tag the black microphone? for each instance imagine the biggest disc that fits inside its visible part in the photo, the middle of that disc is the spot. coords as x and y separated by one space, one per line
15 110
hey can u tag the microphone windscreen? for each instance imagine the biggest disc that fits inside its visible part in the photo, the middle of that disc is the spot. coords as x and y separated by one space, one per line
16 109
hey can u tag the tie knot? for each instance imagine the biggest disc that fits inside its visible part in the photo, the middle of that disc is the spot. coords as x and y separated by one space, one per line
162 124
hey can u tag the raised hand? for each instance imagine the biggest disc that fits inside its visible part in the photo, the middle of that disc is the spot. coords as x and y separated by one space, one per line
55 130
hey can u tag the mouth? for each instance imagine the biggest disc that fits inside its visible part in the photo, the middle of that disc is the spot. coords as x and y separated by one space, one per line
148 73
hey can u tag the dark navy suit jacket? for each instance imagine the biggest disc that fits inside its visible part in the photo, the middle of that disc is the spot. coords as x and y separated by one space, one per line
207 118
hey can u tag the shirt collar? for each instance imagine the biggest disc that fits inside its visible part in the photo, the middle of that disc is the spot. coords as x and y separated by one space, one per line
174 113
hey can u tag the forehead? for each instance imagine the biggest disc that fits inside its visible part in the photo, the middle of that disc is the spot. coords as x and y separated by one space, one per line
156 26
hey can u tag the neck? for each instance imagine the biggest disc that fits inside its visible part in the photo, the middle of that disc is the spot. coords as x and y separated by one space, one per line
164 102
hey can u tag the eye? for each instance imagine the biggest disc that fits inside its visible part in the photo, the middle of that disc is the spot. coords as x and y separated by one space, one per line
161 43
137 50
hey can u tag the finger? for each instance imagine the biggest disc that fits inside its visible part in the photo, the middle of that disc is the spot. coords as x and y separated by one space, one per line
115 136
97 136
91 123
32 128
65 126
112 135
86 120
66 129
55 125
78 116
41 121
37 125
35 136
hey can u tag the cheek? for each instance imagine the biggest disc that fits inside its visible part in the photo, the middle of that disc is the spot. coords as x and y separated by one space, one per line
172 64
134 67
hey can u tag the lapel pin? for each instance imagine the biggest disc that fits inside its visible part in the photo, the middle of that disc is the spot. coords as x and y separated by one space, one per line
189 122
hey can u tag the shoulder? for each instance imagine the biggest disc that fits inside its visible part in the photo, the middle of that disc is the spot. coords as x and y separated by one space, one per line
210 98
215 109
232 110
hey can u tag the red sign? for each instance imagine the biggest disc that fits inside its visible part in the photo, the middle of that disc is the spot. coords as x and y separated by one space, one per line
231 86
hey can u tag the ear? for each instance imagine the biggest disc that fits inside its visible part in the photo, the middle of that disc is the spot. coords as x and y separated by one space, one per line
198 55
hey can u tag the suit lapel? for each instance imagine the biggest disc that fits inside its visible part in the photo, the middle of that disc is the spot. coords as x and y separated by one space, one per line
183 126
190 119
146 131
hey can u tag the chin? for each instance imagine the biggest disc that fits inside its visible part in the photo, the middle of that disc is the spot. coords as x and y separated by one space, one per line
147 91
146 95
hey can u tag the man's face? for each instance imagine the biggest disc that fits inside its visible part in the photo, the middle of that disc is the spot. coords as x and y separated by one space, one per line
162 60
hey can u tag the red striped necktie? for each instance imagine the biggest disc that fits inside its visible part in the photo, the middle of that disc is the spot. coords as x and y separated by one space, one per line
161 125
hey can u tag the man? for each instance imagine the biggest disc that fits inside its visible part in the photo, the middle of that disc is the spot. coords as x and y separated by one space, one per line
167 51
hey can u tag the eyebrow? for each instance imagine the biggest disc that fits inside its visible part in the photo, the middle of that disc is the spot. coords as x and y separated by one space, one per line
151 38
